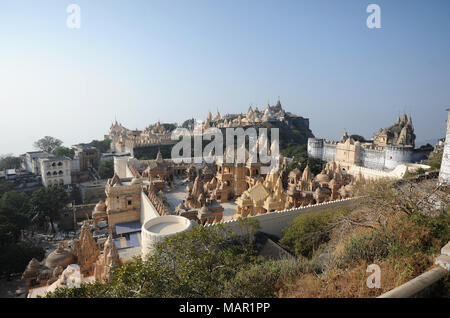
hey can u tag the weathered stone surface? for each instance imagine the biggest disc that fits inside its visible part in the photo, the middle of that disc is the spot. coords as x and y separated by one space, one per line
108 259
446 249
443 261
86 249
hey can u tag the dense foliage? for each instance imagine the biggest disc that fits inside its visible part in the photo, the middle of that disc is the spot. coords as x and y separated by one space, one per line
102 145
47 144
396 225
301 159
167 126
197 263
106 169
358 138
10 162
62 151
309 231
14 216
47 204
15 257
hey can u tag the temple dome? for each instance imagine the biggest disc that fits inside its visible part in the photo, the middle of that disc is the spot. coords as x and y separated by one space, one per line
322 177
60 257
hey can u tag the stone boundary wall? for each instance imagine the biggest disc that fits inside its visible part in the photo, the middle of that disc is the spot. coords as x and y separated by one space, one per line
272 250
397 173
372 159
329 152
274 222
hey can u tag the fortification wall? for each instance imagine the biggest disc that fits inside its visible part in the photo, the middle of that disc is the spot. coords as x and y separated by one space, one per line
372 159
397 173
397 155
315 148
329 152
273 223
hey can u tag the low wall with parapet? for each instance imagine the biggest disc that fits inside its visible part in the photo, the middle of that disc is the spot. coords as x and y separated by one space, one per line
397 173
274 222
329 152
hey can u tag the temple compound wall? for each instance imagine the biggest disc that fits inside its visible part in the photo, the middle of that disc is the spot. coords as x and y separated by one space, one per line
387 159
444 174
274 222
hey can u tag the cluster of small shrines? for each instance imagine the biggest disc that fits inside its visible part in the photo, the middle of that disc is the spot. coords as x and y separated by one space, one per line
209 185
93 261
256 116
303 189
125 140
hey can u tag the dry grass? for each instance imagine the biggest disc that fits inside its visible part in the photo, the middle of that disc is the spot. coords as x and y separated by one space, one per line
351 282
391 228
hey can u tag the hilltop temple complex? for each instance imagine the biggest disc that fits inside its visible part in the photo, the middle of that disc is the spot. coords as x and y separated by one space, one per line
148 200
139 211
390 153
138 141
270 114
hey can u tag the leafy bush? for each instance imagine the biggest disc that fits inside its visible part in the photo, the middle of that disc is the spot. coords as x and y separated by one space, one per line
368 246
196 263
14 216
61 151
15 257
434 161
264 279
439 226
308 231
102 146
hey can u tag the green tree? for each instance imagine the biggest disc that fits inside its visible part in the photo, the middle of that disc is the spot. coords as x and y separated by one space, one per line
47 203
5 186
15 216
62 151
308 231
102 145
106 169
196 263
10 162
189 124
47 144
15 257
315 164
358 138
167 126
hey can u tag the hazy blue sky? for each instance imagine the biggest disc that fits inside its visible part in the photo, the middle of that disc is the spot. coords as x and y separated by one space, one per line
144 61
